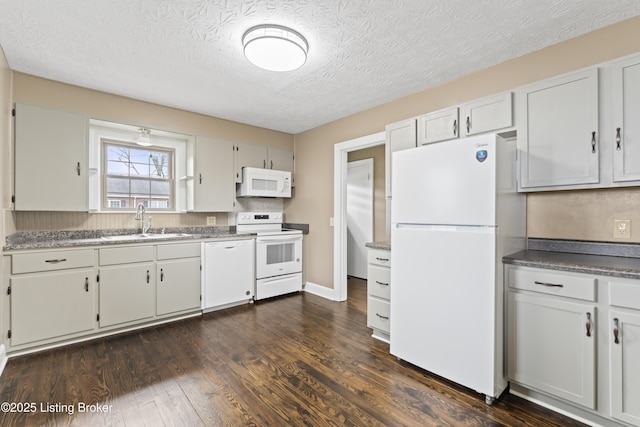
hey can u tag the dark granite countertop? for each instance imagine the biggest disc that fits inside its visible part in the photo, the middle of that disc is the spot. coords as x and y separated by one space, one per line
600 258
385 245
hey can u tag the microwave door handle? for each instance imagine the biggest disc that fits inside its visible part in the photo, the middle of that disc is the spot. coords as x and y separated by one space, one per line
280 184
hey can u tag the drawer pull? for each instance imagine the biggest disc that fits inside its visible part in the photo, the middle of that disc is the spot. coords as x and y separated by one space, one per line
148 277
86 284
55 261
455 127
588 325
549 285
161 274
616 330
618 139
593 142
382 317
381 283
382 259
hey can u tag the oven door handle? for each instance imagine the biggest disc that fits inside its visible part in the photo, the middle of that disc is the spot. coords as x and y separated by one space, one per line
278 240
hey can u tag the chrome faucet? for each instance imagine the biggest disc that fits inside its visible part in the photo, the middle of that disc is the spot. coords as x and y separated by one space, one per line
140 217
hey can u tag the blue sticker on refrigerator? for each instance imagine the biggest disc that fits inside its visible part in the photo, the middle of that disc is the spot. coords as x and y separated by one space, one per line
481 155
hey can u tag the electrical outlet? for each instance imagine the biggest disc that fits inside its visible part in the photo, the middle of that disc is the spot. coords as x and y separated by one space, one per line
622 228
211 220
331 222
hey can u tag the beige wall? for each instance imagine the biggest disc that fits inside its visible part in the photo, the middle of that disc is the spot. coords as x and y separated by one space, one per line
379 195
550 214
100 105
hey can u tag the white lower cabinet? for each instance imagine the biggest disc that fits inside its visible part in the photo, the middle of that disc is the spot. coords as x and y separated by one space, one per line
550 349
51 306
52 297
178 285
573 342
378 293
126 293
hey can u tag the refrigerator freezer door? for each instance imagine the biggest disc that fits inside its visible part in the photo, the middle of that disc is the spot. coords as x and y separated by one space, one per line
443 303
451 182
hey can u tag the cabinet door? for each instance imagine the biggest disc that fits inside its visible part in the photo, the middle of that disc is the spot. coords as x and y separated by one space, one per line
550 348
50 160
399 136
51 305
214 188
626 126
279 159
126 293
558 131
178 285
249 155
625 368
487 114
438 126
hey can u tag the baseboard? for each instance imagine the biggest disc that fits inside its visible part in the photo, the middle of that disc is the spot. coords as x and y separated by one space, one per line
321 291
3 359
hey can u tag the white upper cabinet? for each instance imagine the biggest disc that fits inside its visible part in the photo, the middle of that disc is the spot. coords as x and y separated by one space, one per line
214 181
261 156
558 131
50 159
626 122
399 136
438 126
487 114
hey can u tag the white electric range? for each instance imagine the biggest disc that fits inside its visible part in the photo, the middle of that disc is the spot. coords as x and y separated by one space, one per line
278 253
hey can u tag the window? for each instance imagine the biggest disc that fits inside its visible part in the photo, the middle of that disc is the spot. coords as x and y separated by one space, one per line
134 175
123 174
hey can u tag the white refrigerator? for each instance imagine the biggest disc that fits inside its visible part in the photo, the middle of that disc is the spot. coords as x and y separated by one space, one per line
455 212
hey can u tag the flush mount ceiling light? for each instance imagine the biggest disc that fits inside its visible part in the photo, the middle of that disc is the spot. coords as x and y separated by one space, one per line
275 48
144 137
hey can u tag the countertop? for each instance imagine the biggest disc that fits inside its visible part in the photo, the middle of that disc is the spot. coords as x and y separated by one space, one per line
599 258
385 245
66 239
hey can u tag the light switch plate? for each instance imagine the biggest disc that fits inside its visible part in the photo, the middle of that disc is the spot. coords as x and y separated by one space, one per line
622 228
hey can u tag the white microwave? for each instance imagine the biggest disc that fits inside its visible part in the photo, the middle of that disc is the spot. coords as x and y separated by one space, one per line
258 182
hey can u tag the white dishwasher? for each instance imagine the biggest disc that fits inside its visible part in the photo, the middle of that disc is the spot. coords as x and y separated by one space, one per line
228 277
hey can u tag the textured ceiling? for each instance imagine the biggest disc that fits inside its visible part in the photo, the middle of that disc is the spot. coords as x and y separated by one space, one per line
187 53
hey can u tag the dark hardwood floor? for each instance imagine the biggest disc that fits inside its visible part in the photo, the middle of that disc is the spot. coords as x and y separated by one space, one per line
289 361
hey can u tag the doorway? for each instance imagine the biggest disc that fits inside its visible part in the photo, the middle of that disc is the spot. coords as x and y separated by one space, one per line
340 155
359 215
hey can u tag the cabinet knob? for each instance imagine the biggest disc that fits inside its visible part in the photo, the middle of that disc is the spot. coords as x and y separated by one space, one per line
588 324
616 330
618 139
593 142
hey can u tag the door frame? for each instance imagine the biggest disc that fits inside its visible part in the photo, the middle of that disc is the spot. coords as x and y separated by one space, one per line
370 196
340 157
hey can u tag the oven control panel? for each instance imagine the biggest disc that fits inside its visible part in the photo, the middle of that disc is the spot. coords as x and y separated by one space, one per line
259 218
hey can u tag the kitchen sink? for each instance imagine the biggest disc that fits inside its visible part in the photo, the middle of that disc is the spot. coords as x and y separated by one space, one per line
144 236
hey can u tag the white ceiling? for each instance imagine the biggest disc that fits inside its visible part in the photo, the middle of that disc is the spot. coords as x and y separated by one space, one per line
188 54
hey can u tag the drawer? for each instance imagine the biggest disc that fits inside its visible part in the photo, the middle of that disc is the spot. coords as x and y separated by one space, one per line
378 314
625 294
178 250
378 281
379 257
51 260
553 283
125 255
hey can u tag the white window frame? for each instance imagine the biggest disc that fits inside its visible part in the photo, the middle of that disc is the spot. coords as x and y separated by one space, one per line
99 129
